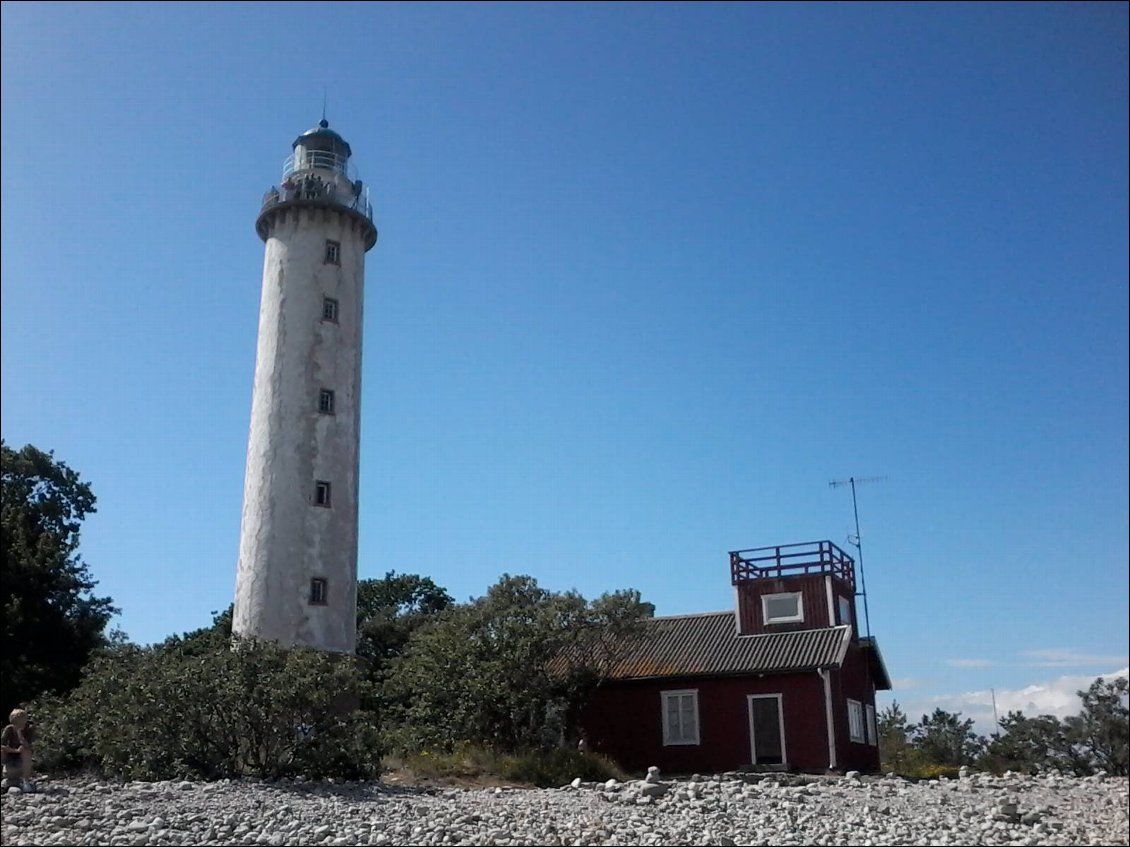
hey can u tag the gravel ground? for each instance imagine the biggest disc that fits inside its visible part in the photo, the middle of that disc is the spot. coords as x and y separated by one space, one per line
725 810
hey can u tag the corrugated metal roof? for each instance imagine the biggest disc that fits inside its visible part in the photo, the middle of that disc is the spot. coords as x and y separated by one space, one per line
708 644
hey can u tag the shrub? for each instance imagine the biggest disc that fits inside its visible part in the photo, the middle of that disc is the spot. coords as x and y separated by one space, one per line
167 712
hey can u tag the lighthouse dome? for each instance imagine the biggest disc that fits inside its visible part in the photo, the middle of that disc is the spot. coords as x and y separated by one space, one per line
323 139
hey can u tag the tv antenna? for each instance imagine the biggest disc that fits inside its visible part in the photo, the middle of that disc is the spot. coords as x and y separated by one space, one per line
857 541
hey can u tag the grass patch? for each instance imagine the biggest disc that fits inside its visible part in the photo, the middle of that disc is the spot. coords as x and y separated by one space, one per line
560 766
550 768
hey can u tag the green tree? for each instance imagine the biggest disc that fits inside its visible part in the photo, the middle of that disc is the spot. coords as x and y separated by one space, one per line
943 738
1102 729
52 621
389 610
1031 744
507 670
1096 738
207 639
895 748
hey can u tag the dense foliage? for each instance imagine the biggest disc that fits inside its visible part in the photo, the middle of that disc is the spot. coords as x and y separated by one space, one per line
509 670
504 675
390 610
183 710
496 682
52 622
1095 739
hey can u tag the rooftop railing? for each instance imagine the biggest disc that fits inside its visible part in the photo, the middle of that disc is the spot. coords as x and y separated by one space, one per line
810 557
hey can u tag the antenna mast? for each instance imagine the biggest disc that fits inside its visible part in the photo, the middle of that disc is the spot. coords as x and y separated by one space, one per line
857 542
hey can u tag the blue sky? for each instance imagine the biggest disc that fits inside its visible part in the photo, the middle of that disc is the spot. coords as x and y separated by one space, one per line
649 277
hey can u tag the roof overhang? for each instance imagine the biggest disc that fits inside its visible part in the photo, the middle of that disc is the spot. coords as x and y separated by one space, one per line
875 661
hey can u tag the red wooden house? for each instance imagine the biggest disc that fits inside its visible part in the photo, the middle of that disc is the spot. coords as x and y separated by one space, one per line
785 681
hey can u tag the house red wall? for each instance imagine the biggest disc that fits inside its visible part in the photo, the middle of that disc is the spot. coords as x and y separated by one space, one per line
814 602
624 720
853 681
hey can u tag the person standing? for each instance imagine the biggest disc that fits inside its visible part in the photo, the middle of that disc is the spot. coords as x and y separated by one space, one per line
15 749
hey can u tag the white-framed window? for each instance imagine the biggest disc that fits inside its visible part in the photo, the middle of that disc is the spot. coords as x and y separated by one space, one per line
322 493
326 401
872 728
318 591
855 721
845 609
680 717
782 608
329 309
333 252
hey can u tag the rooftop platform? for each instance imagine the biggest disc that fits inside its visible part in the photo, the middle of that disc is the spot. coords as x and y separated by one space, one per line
806 558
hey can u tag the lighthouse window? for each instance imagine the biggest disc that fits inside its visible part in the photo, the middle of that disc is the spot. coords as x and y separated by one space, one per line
322 493
329 309
317 592
333 253
326 401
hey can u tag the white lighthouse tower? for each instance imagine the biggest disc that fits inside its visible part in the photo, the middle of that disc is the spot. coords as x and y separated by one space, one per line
296 582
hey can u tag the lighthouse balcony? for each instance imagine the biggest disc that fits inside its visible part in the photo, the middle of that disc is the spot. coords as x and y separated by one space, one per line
313 188
323 176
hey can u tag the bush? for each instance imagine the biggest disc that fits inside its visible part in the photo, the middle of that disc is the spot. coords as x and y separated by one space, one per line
167 712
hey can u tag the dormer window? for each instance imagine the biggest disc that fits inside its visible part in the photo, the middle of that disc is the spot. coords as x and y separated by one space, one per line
782 608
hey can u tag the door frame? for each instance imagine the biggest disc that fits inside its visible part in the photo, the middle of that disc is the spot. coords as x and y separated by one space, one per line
780 725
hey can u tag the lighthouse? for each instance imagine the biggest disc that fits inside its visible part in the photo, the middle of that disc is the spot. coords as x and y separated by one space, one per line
296 581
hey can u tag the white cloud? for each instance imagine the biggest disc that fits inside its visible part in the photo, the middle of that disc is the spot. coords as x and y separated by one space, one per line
1053 697
904 683
1069 659
970 663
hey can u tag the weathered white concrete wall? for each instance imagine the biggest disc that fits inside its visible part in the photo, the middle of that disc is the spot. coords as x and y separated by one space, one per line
285 539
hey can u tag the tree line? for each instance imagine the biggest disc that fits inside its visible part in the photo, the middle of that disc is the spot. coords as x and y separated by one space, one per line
507 672
941 743
429 674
